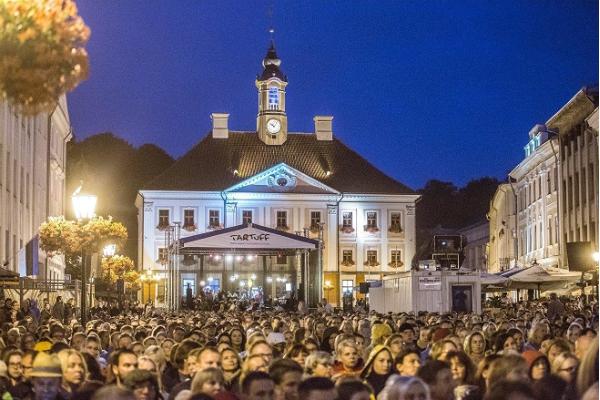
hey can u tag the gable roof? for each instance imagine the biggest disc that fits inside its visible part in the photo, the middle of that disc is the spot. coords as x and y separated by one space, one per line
211 164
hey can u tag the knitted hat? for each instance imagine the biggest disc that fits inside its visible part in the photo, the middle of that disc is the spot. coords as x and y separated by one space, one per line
531 356
46 366
380 330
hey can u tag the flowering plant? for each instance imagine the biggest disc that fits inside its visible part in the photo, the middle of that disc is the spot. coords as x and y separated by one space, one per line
395 228
371 263
348 263
282 228
214 227
43 55
116 267
371 229
346 229
395 264
190 228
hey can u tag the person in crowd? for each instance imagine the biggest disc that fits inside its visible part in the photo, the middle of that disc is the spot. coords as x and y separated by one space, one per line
537 334
396 343
298 353
143 384
353 389
556 347
74 371
510 367
475 346
438 377
319 363
378 368
565 366
408 362
462 368
46 377
231 367
257 385
441 348
538 364
287 375
14 364
121 363
510 390
348 361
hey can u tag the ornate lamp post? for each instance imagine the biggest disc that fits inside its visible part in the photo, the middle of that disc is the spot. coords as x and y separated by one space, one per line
148 277
84 205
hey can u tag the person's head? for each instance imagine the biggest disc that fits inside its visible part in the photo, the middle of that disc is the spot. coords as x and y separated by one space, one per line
406 388
408 362
573 332
14 363
462 368
510 390
297 353
319 363
261 348
230 360
538 364
114 393
437 375
510 367
379 362
208 357
504 343
74 368
475 344
395 343
143 384
317 388
550 387
380 332
92 346
582 344
121 363
347 354
407 332
353 389
538 332
440 349
255 363
46 376
27 362
209 381
557 346
565 366
257 385
287 375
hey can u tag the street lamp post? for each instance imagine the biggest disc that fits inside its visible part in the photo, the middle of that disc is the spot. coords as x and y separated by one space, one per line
84 206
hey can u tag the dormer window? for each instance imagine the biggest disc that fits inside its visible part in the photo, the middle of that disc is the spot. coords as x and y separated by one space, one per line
273 98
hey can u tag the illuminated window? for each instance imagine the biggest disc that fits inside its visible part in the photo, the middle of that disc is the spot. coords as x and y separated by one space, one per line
247 217
315 219
163 218
372 257
214 218
282 219
188 218
371 219
273 98
347 219
396 257
347 286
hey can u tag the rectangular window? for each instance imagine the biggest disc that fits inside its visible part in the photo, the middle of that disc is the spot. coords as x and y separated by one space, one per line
372 257
548 182
163 219
282 220
347 286
214 218
8 175
246 217
27 190
550 237
162 255
315 219
395 222
347 258
371 219
584 233
189 219
539 183
564 195
273 98
347 219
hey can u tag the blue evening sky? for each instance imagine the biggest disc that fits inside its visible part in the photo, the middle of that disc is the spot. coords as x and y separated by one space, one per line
423 89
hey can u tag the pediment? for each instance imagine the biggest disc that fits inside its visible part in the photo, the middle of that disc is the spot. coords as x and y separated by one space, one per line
281 178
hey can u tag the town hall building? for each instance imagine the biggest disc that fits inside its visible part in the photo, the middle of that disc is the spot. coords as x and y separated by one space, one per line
272 213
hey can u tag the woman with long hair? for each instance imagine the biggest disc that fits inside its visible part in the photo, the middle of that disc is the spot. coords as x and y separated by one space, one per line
209 382
231 364
462 368
74 371
565 366
441 348
378 368
297 353
395 343
238 339
475 346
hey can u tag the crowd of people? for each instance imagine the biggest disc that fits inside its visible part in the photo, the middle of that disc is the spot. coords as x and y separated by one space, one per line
546 349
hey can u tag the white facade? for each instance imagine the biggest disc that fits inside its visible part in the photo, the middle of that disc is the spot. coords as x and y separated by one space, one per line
32 180
502 230
556 188
537 208
300 208
477 236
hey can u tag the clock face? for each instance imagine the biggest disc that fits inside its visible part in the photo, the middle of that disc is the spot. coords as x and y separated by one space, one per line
273 125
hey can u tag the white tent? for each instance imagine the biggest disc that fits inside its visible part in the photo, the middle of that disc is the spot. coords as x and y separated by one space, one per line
539 277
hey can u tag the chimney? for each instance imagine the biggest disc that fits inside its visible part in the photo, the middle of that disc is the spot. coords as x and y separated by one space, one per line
220 130
323 127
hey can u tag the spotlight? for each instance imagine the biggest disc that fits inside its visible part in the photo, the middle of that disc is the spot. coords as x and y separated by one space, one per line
228 257
269 279
232 278
217 257
210 279
239 258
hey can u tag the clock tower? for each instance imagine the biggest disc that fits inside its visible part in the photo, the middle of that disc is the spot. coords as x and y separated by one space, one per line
271 121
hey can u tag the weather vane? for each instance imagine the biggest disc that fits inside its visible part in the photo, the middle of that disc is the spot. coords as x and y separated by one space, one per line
270 14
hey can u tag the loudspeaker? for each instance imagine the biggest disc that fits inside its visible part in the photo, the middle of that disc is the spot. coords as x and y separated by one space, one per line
579 256
363 288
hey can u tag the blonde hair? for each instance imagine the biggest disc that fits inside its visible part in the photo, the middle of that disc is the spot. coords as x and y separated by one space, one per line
345 343
64 355
560 359
204 376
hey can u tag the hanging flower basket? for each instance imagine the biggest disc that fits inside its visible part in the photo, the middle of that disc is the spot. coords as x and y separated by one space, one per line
162 227
395 229
284 228
43 55
214 227
190 228
397 264
371 264
116 267
348 263
346 229
371 229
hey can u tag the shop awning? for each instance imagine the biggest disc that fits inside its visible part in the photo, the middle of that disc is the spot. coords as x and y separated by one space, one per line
539 277
248 237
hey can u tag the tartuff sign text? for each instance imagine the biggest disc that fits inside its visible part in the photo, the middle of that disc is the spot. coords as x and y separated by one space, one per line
250 236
